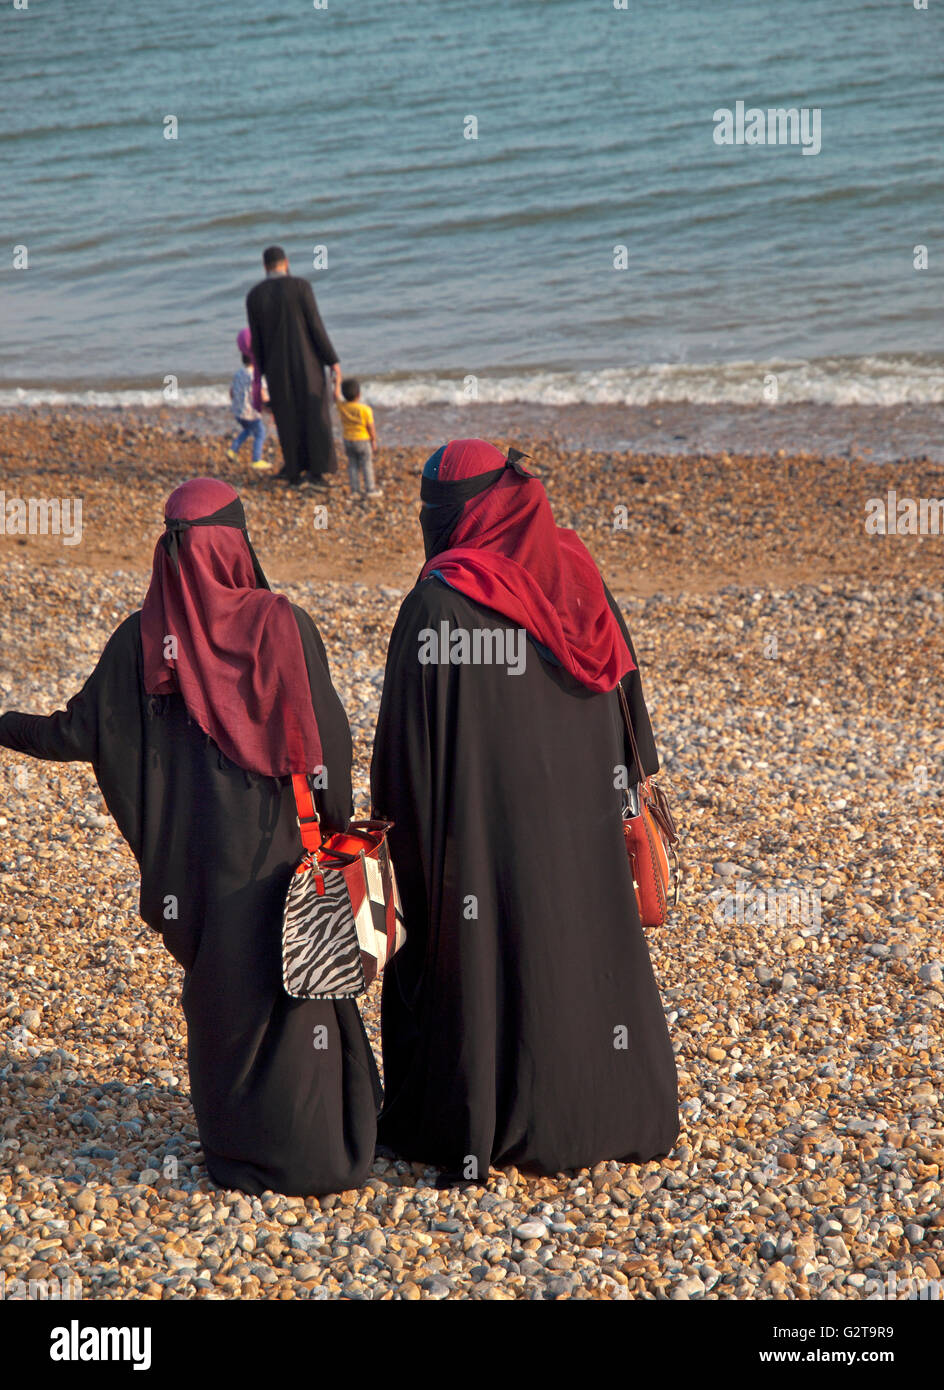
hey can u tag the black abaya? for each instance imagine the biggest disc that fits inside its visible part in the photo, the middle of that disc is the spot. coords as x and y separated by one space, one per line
292 350
285 1091
521 1021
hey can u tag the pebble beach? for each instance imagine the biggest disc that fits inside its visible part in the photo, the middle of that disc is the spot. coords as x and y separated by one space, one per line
792 664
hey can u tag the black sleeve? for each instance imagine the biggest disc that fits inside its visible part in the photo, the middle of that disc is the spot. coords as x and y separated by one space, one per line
252 318
101 725
72 734
405 782
335 801
632 684
316 329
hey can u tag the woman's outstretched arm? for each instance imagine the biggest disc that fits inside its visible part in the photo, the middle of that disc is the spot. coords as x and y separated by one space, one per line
71 734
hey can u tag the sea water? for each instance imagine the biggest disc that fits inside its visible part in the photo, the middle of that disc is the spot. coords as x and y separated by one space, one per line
506 200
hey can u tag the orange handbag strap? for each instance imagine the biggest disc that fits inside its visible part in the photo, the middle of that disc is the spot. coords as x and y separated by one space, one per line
307 815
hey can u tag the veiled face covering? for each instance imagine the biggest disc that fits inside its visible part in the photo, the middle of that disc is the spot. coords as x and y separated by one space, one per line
444 502
489 533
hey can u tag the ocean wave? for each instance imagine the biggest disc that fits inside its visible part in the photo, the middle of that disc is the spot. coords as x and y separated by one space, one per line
864 381
136 398
872 381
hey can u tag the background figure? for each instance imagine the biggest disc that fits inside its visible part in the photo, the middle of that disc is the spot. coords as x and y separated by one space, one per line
191 740
292 349
521 1021
241 395
360 437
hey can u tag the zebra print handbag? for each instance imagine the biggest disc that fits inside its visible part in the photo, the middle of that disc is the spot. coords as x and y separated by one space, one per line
342 920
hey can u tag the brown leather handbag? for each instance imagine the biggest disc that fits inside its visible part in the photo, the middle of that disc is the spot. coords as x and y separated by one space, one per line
651 839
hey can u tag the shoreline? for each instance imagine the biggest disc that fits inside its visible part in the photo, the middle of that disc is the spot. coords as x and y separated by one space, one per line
676 522
867 434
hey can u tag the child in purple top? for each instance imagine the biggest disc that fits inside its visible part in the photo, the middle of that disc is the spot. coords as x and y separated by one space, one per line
241 394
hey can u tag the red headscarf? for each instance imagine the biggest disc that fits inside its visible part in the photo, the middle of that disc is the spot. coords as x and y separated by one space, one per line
239 662
506 552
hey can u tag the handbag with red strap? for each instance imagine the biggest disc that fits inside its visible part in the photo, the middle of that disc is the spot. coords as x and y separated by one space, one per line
651 839
342 921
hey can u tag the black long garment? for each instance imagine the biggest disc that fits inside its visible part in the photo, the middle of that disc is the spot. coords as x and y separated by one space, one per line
292 350
217 845
503 1015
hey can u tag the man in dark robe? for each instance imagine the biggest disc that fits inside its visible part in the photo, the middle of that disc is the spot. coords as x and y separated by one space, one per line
200 706
521 1020
291 350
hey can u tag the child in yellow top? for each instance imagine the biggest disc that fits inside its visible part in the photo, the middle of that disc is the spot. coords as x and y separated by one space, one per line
360 437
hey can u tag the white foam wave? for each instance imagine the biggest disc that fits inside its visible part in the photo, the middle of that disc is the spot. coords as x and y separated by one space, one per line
141 398
863 381
874 381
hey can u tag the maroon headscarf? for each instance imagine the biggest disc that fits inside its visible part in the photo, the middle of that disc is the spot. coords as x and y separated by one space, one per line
239 662
501 547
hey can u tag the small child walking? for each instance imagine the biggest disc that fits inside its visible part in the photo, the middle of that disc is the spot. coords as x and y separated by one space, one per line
250 420
360 437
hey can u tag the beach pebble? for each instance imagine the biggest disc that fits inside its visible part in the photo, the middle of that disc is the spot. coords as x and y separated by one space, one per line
531 1230
806 1023
688 1288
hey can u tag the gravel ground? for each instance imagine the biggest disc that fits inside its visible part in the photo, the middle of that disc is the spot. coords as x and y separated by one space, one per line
802 737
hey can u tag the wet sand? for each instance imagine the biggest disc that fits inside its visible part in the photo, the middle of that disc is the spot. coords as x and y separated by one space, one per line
865 433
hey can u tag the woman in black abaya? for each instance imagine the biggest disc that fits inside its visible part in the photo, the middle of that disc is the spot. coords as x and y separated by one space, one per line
200 706
521 1020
